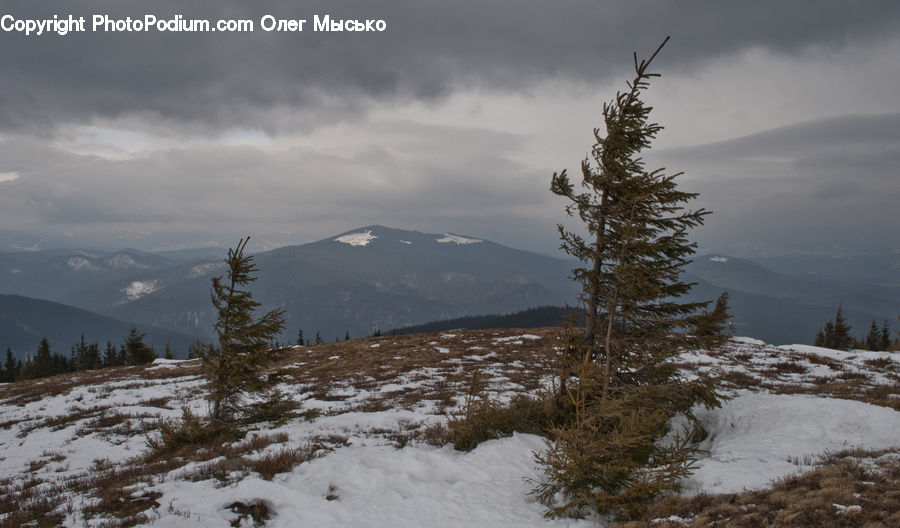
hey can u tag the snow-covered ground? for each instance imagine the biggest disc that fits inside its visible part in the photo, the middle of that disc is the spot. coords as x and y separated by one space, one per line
361 477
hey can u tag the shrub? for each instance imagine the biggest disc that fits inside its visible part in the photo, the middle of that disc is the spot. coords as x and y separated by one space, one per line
191 433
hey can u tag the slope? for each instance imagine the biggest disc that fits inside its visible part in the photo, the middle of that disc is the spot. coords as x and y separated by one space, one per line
24 321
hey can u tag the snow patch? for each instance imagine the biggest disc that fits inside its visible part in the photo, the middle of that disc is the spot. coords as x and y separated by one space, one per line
202 269
357 239
458 240
751 437
407 242
123 261
749 341
138 289
381 486
80 264
163 363
718 259
516 339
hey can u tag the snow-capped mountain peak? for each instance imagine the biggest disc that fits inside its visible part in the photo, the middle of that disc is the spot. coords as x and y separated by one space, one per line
360 238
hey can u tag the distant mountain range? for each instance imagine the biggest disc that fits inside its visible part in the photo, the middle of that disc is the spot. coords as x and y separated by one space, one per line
787 308
25 321
372 278
378 278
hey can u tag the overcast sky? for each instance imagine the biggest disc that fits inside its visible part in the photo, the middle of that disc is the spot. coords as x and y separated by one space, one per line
785 116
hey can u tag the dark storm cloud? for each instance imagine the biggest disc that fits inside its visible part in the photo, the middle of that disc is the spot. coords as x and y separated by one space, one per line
184 195
203 82
816 186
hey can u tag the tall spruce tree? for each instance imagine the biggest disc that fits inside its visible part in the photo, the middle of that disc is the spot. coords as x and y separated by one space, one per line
621 388
637 242
236 365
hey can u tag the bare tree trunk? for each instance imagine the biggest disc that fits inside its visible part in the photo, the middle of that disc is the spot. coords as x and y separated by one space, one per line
607 343
590 324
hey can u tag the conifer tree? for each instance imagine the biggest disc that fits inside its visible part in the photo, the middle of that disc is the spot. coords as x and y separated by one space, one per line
836 333
86 356
638 227
715 322
26 370
10 367
623 389
347 336
873 338
841 338
236 364
43 364
300 340
884 338
135 351
318 338
111 355
168 352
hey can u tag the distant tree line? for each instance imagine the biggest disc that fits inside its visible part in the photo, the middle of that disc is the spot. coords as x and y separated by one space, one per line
531 318
318 339
835 334
82 356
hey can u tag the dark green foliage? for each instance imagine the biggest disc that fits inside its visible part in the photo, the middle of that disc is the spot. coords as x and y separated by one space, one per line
638 242
44 364
111 356
619 387
300 340
532 318
836 333
86 356
878 339
715 322
609 456
10 367
319 340
873 338
236 365
168 353
347 336
884 339
135 351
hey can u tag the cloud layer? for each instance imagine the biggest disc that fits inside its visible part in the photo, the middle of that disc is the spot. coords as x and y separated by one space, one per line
451 120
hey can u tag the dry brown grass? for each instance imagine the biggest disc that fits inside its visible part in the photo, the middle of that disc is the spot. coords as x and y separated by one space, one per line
425 367
26 391
849 489
790 374
434 370
283 461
